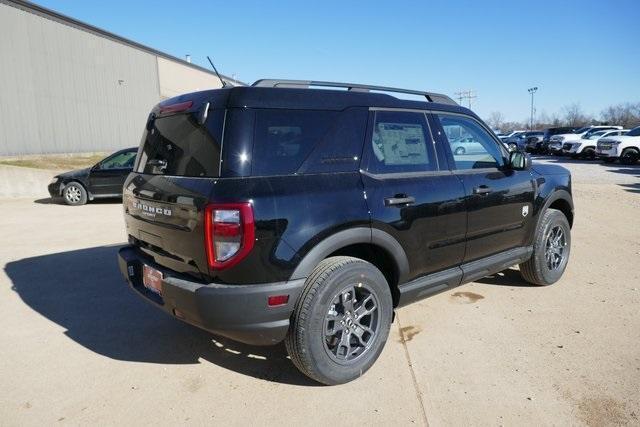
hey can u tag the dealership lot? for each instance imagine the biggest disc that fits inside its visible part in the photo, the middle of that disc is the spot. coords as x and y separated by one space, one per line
79 347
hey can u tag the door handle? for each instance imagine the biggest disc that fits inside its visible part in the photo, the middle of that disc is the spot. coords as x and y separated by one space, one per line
399 200
482 189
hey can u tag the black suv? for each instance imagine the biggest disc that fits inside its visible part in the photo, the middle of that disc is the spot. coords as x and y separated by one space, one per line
280 212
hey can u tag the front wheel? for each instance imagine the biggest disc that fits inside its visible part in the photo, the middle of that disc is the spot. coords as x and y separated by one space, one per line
74 194
629 156
551 249
341 322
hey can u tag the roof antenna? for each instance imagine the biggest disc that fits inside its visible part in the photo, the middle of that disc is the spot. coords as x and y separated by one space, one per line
224 84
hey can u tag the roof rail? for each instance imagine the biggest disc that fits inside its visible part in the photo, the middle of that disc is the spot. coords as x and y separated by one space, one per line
430 96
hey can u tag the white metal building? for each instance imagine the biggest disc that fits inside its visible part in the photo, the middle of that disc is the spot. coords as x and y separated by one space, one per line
67 87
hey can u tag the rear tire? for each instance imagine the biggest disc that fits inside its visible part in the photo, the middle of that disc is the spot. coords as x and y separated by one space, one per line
341 321
551 250
74 194
629 156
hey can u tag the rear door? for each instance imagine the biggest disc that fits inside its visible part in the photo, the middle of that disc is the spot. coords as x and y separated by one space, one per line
409 195
499 200
164 198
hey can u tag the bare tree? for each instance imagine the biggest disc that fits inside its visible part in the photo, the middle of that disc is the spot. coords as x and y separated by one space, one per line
542 121
496 120
573 115
626 115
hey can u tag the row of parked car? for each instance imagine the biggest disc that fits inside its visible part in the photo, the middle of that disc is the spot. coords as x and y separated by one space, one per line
606 142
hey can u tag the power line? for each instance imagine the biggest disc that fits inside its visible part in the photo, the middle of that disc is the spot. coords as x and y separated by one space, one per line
468 95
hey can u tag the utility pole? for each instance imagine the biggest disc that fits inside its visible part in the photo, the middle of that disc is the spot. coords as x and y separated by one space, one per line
468 95
532 90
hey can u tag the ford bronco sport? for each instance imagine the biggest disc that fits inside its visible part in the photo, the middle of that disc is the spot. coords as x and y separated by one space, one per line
281 212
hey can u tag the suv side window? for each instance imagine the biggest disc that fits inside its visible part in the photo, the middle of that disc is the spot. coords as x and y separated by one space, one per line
471 145
400 142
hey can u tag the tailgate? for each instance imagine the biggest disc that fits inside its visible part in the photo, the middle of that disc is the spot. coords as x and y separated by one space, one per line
163 216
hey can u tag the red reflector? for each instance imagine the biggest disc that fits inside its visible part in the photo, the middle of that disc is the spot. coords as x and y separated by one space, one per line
176 108
275 300
226 229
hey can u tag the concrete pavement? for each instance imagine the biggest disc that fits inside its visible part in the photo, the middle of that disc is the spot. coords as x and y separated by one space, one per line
78 347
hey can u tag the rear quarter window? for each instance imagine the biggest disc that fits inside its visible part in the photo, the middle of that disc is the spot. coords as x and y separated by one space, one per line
306 141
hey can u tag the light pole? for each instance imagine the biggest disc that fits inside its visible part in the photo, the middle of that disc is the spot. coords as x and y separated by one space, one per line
532 90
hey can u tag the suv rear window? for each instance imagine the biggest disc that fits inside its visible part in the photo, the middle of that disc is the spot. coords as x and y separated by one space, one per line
178 145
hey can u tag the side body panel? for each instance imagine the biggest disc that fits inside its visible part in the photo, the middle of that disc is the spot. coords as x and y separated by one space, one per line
431 230
293 214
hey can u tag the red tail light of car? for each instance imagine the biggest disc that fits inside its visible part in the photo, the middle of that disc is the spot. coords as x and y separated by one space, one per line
229 233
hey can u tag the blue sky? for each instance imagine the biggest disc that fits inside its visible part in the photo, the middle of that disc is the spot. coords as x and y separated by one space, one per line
587 52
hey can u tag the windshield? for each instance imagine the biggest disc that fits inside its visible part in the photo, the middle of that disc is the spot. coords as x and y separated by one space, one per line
582 130
634 132
595 135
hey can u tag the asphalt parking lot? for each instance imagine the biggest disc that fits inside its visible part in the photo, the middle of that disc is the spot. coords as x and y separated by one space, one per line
78 347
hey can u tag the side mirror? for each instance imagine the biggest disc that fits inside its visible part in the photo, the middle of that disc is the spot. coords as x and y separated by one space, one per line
519 161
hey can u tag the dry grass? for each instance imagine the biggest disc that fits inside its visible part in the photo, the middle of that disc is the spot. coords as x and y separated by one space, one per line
55 161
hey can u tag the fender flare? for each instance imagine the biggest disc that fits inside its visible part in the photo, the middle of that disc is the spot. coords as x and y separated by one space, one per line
353 236
556 195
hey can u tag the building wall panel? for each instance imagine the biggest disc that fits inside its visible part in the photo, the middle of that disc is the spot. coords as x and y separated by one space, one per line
176 79
67 90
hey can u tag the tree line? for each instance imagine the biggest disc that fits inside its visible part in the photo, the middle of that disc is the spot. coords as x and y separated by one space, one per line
626 115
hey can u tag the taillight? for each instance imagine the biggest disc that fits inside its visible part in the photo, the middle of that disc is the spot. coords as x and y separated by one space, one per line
229 233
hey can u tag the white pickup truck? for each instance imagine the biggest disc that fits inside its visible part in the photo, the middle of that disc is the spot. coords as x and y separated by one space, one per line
626 147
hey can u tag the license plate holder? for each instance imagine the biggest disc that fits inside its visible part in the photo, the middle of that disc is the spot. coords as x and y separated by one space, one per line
152 279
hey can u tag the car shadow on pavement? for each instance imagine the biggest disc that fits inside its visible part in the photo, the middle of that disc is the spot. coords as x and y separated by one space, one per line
47 201
59 201
508 277
632 188
84 292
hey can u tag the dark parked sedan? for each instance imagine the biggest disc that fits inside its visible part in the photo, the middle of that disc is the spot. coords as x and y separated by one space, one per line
105 179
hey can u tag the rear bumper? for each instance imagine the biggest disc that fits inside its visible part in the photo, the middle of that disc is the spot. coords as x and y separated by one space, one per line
238 312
